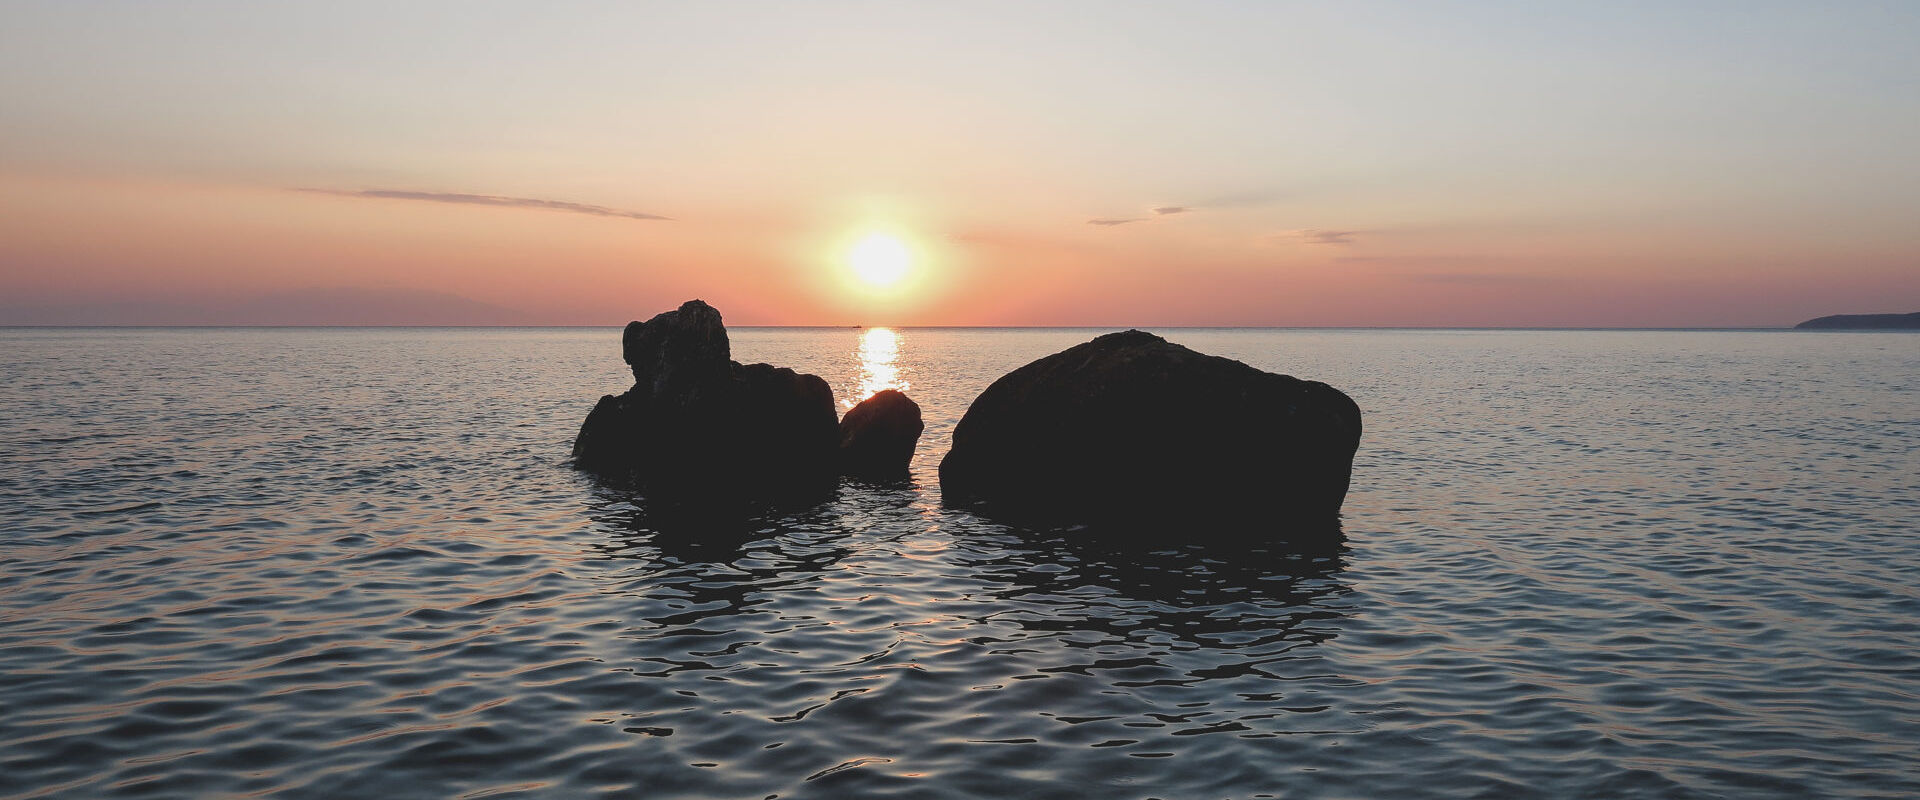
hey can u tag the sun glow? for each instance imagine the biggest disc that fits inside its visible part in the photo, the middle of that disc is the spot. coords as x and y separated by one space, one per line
878 351
880 260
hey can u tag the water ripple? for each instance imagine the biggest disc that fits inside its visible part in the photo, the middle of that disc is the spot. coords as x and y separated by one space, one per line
349 563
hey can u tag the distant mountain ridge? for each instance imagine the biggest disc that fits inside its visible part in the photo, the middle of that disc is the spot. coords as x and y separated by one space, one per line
1863 322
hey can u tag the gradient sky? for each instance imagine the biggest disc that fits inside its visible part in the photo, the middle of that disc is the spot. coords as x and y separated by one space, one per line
1498 164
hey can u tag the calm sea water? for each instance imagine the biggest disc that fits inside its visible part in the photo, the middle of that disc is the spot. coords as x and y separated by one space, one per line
353 563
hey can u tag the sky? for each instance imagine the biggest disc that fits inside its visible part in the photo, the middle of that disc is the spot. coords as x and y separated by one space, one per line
1528 164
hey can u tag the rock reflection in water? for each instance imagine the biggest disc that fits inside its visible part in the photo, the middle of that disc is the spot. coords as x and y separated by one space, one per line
1210 593
935 644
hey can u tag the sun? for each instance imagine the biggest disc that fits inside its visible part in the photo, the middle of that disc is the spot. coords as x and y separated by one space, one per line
880 260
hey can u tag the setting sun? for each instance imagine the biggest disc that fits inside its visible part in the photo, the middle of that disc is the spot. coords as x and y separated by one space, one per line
880 260
705 401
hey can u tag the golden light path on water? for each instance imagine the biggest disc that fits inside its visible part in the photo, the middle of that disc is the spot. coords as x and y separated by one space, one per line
879 348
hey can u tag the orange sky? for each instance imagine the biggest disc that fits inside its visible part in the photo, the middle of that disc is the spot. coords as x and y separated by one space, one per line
1403 166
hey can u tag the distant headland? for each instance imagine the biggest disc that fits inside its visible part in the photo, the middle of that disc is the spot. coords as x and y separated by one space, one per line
1863 322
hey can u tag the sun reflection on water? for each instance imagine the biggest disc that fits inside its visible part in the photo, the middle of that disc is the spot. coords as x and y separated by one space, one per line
878 351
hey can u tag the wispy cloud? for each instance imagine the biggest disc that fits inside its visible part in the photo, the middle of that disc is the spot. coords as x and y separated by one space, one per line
1326 237
489 200
1481 278
1244 200
1157 212
1415 261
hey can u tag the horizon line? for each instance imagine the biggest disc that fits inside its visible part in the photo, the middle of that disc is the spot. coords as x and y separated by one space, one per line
290 326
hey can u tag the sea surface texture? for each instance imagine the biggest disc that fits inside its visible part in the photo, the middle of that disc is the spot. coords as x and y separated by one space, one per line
355 563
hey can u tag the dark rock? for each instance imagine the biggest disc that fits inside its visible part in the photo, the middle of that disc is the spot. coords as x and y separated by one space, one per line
784 424
1863 322
877 436
1130 429
698 425
679 353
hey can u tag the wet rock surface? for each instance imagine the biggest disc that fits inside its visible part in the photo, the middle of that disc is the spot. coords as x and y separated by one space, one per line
698 425
1130 428
877 436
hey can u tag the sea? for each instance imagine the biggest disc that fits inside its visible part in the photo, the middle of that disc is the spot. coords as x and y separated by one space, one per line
337 563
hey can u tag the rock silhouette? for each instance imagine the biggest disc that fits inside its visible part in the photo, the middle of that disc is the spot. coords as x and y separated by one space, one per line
698 425
878 435
1130 429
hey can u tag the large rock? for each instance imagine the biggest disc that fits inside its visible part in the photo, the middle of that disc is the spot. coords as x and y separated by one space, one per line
698 425
1132 429
877 436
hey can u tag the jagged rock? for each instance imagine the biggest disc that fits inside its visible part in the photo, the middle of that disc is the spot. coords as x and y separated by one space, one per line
877 436
696 424
1132 429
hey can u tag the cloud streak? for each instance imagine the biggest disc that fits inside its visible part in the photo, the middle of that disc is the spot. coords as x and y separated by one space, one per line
489 200
1327 237
1418 261
1168 211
